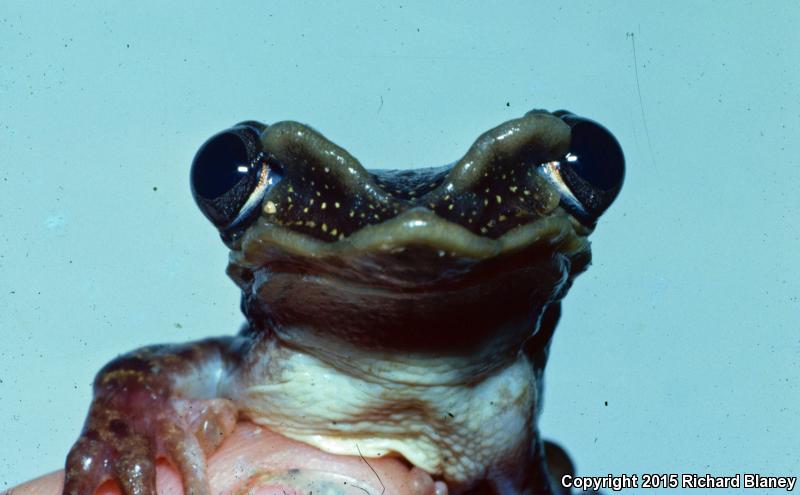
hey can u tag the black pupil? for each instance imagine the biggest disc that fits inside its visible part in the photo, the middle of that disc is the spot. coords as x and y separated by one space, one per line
219 165
599 156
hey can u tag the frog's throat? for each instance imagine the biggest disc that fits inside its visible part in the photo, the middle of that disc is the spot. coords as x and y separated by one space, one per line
417 227
416 283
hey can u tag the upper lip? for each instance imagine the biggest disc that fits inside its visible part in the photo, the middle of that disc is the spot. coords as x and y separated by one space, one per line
414 227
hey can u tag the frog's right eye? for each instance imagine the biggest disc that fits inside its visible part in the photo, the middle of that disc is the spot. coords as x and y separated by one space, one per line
230 176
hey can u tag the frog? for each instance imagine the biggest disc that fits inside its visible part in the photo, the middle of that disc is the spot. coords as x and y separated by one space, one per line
388 312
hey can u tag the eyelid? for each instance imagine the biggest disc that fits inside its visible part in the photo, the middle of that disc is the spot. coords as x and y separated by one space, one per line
552 173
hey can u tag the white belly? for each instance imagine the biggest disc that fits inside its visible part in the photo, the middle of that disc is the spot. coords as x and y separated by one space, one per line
451 430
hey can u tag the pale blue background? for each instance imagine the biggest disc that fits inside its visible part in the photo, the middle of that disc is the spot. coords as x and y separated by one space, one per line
687 324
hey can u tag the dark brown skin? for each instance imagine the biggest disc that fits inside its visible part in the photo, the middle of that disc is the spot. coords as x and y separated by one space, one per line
463 265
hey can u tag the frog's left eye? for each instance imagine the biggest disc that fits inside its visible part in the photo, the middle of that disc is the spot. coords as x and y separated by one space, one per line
589 177
230 176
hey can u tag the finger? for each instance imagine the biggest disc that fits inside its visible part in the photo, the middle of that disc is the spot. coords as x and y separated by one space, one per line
253 457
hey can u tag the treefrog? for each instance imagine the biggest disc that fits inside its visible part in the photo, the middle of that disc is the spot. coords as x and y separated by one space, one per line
397 313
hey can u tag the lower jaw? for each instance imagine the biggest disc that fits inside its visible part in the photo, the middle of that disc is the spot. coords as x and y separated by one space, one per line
474 318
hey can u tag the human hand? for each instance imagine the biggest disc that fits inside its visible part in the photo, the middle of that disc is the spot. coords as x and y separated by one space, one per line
257 461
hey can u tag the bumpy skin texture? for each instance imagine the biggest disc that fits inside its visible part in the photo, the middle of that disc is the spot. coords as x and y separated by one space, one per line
139 412
402 289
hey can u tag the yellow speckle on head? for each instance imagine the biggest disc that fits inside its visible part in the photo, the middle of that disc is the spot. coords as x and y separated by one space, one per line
327 170
352 213
451 206
324 227
498 198
291 189
526 192
336 204
289 199
318 193
484 230
311 202
323 205
305 210
513 189
270 208
485 202
334 231
341 236
502 218
311 223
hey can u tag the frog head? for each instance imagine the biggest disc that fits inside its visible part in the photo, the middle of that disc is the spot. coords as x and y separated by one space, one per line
470 258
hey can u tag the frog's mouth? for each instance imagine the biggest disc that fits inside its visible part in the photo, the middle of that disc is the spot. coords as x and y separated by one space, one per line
304 215
415 230
414 282
324 210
